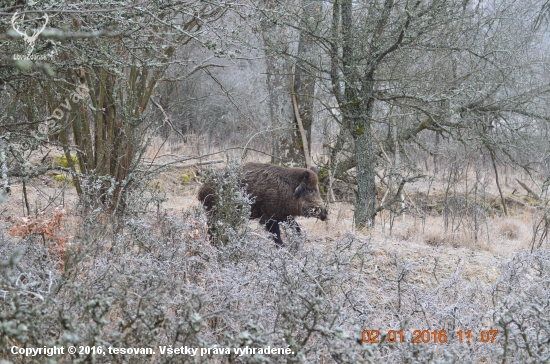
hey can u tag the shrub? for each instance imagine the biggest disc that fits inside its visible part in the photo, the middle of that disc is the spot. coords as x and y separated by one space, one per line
231 210
157 282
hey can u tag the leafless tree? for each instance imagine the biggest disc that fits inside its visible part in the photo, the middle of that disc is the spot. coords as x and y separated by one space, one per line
433 66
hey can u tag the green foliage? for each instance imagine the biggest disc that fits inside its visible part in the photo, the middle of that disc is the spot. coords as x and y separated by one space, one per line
62 178
62 160
157 186
323 173
188 177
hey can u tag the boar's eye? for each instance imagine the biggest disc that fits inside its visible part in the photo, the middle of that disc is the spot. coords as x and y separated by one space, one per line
300 190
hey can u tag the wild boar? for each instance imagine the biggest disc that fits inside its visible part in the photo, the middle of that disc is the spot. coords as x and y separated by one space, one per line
279 193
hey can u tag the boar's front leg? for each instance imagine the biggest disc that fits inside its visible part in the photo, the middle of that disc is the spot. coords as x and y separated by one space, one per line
294 224
273 227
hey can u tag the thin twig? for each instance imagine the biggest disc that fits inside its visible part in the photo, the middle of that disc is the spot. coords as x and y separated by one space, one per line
60 11
497 182
299 121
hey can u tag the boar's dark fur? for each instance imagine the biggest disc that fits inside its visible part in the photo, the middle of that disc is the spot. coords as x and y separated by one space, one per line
279 195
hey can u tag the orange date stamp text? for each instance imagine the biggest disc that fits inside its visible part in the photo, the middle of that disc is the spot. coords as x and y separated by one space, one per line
427 336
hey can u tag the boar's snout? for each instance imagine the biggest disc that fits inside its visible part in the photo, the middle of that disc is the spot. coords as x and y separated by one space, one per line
323 215
319 212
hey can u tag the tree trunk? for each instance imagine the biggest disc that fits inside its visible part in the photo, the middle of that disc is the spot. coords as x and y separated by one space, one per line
305 73
365 158
359 103
286 140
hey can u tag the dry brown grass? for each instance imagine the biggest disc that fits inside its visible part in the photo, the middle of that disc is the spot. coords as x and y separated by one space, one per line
509 229
502 235
499 236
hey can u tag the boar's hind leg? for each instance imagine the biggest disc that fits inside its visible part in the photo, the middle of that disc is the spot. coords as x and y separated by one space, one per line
273 227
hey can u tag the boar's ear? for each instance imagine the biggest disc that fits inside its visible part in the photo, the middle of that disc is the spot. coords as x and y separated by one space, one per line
300 190
314 169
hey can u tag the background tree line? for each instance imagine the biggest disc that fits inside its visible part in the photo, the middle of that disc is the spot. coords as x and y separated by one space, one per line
369 91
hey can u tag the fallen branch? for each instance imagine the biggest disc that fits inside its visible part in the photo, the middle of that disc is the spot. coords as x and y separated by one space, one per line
529 191
198 163
519 202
